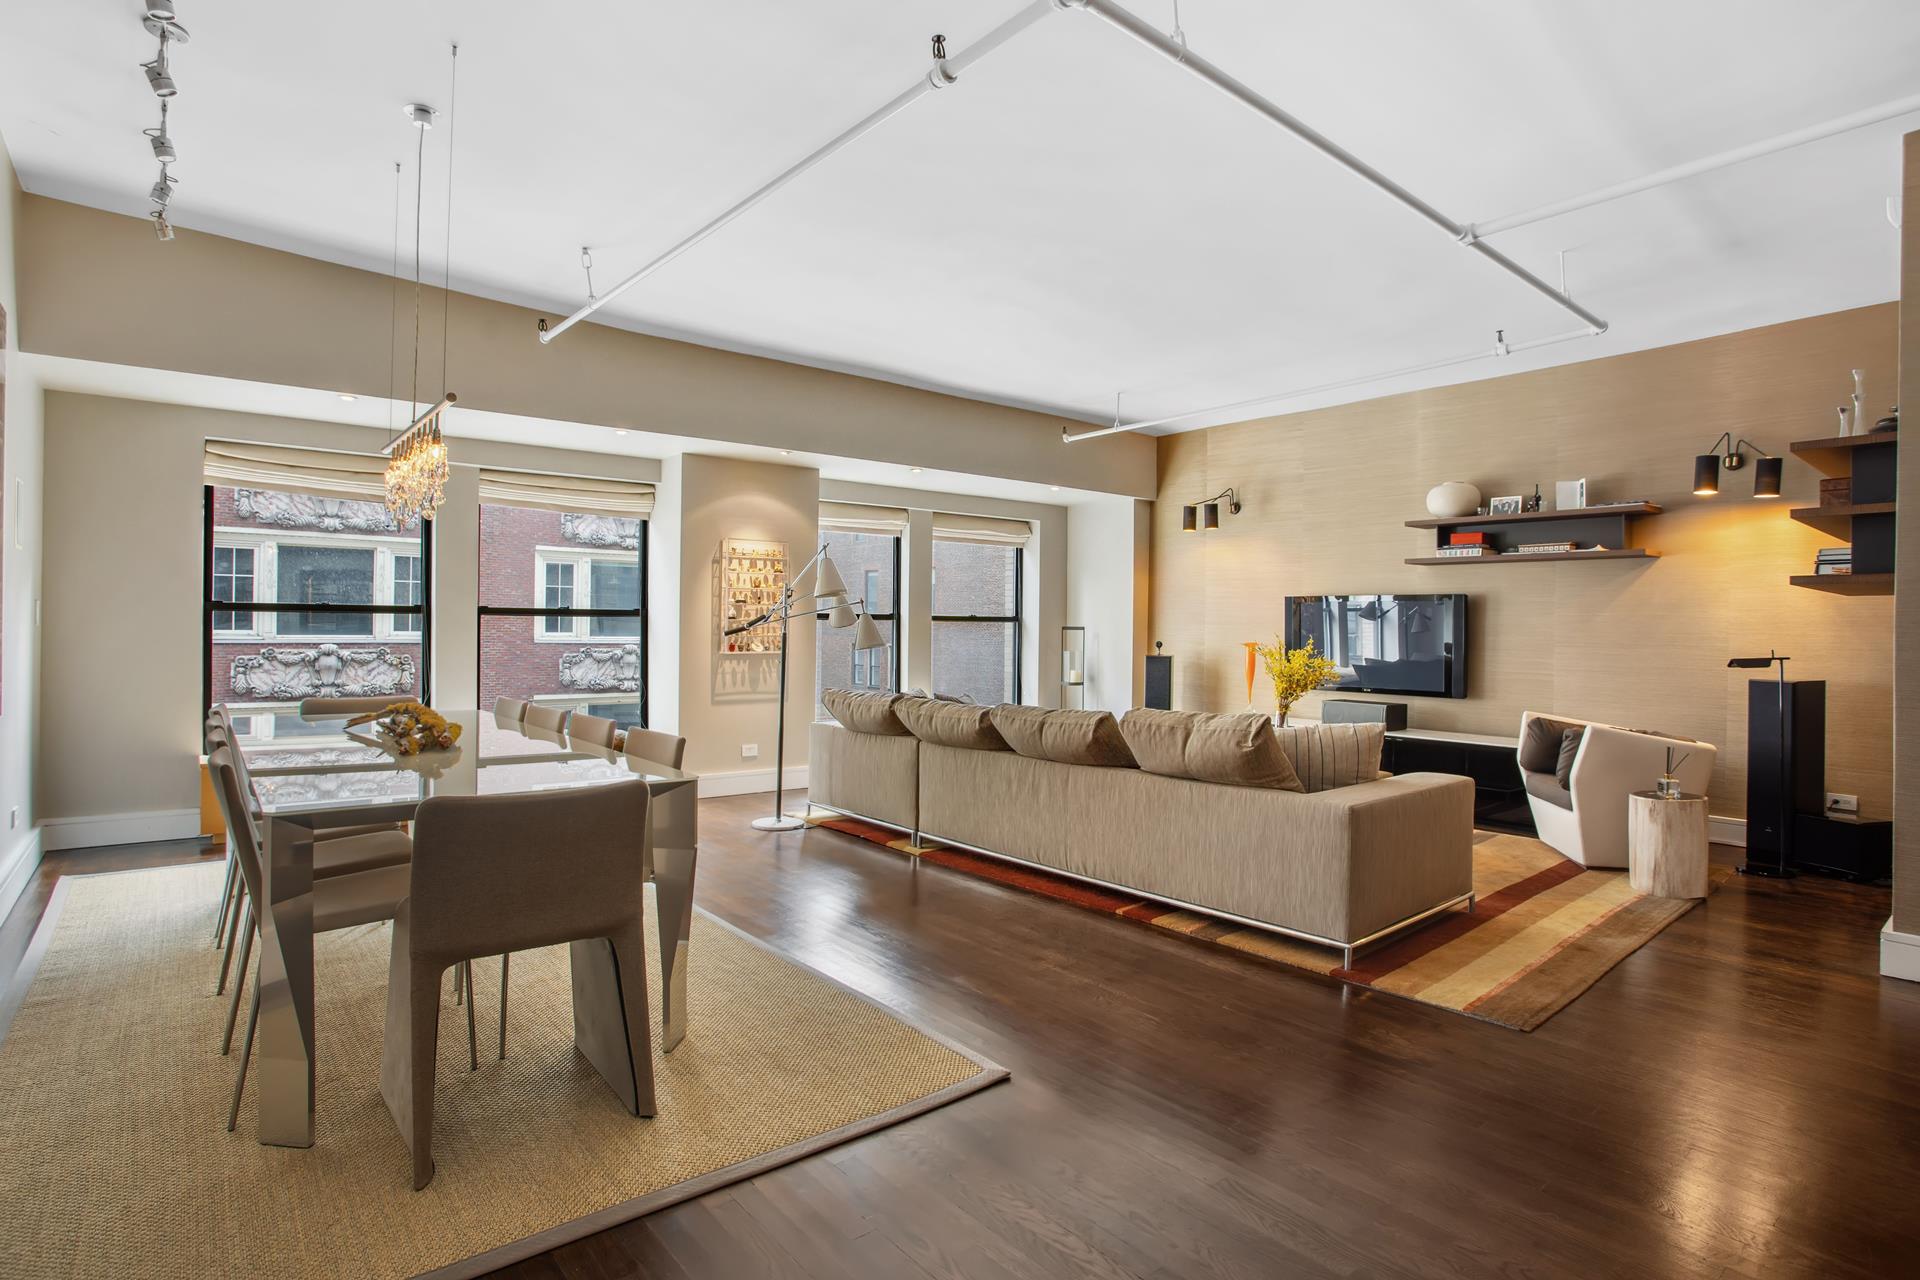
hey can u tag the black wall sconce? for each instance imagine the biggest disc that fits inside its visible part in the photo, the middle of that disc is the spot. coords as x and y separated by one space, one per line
1206 515
1706 467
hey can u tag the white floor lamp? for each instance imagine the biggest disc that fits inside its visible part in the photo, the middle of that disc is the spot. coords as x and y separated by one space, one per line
829 600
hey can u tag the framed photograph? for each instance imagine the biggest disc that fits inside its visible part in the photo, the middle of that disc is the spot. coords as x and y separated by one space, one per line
1506 506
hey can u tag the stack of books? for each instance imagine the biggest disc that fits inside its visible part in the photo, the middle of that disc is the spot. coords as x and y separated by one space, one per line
1834 560
1467 551
1545 548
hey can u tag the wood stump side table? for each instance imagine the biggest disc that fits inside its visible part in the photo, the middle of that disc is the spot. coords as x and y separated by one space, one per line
1667 845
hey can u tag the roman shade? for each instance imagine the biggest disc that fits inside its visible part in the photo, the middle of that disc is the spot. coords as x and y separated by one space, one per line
583 495
357 477
992 530
858 517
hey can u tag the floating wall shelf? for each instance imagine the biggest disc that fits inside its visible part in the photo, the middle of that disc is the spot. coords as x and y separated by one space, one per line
1866 519
1605 532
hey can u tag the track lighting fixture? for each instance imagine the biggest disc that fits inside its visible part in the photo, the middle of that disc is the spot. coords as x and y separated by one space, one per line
160 10
160 20
162 190
163 149
159 79
162 229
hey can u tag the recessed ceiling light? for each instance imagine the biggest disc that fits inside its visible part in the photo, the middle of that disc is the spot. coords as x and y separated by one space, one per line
348 398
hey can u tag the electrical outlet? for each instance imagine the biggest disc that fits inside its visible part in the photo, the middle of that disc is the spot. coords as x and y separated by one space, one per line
749 751
1838 802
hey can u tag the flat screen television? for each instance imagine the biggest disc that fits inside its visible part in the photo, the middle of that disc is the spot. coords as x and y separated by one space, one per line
1387 644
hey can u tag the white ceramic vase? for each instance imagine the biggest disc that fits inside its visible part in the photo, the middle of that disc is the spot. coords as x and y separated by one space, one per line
1454 498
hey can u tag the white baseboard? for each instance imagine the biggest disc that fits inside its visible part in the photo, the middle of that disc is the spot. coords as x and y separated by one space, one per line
16 871
751 781
119 828
1899 954
1727 830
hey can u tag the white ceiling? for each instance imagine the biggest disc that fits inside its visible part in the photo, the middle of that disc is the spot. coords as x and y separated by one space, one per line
1075 218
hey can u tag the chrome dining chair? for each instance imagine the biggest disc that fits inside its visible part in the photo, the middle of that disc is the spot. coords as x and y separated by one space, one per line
595 731
497 874
651 744
339 902
552 719
514 709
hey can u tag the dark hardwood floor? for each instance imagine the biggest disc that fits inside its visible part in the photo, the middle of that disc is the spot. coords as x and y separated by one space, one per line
1738 1100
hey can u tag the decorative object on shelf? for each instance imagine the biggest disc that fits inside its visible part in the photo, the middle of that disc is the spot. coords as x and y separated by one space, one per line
1836 491
1465 551
829 600
1668 787
1846 426
410 728
1570 495
1295 673
753 577
1833 560
1889 423
416 476
1453 498
1206 515
1073 667
1544 548
1779 868
1508 506
1533 503
1706 467
1860 402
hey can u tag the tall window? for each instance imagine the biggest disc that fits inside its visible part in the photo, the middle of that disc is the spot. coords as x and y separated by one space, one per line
310 596
870 565
976 620
563 610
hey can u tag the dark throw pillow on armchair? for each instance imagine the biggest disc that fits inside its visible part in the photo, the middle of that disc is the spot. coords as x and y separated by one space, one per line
1540 744
1569 748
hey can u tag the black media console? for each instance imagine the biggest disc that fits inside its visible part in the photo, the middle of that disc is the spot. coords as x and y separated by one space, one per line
1499 797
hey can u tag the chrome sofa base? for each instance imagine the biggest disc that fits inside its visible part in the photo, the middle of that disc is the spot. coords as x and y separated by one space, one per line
1347 949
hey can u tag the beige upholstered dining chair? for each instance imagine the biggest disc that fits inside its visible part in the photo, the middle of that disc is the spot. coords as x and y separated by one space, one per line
514 709
497 874
594 730
347 706
552 719
339 901
651 744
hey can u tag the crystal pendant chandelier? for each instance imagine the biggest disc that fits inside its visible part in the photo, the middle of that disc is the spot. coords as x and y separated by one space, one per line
417 470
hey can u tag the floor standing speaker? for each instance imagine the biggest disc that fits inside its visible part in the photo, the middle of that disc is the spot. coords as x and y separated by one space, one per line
1786 764
1159 690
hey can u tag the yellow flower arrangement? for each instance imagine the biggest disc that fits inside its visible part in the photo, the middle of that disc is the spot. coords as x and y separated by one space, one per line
412 728
1295 672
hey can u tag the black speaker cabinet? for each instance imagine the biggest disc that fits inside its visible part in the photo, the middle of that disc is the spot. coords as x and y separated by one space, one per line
1786 771
1360 711
1159 691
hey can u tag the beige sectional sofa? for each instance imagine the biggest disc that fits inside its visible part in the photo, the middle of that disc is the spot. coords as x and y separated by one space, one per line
1344 866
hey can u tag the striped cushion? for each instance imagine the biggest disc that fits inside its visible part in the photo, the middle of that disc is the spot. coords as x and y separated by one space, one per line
1334 755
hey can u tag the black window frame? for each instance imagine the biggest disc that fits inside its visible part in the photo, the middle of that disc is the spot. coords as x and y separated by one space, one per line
212 606
1016 620
892 615
486 611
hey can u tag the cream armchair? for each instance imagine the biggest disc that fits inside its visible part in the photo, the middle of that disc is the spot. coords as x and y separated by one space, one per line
1587 819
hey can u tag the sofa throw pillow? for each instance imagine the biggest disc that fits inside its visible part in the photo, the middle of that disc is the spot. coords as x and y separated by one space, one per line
950 724
1326 756
1240 751
1540 744
1569 748
1069 737
864 712
1158 739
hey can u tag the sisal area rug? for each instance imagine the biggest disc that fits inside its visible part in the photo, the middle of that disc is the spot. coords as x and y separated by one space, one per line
115 1160
1543 930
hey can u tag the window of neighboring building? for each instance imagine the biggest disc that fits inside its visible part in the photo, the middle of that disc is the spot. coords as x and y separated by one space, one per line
563 610
869 564
976 620
310 596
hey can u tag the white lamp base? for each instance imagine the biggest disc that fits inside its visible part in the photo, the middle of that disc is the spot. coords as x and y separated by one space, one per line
784 823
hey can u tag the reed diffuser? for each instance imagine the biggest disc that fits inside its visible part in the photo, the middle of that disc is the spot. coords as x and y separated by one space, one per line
1668 788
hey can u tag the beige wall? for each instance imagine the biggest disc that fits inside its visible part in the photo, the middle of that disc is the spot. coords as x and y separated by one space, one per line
237 310
1641 644
727 701
1906 830
1107 574
120 677
20 503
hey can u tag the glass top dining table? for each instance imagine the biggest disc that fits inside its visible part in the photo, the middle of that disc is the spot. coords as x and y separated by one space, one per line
335 775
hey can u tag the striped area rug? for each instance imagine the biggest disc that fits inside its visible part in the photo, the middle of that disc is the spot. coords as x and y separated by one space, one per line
1542 931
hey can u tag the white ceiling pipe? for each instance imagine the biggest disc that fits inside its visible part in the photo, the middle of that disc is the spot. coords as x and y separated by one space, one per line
1183 56
1498 349
1706 164
943 73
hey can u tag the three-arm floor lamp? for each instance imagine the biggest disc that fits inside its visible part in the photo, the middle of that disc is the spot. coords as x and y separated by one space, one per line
829 600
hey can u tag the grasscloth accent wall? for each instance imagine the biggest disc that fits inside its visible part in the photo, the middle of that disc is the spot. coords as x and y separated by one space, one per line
1643 644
